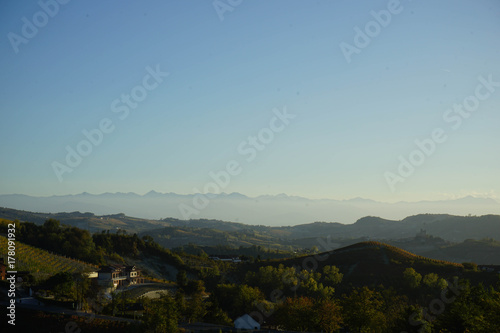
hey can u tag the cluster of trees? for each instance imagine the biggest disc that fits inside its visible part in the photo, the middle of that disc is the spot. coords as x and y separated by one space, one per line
162 315
431 280
131 245
476 309
70 241
81 244
292 281
62 284
308 314
187 305
228 301
72 287
302 300
361 309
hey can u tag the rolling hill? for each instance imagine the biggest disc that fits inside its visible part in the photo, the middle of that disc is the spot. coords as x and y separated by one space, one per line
448 227
375 263
485 251
441 231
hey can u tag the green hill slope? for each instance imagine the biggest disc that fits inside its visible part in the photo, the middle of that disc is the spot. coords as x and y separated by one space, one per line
42 264
375 263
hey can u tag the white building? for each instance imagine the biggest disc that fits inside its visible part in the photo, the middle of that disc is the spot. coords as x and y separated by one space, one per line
246 322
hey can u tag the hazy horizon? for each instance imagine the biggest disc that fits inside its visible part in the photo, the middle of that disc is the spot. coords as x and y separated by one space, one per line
280 210
387 100
213 194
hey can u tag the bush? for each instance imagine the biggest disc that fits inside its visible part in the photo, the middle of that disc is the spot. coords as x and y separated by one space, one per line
470 266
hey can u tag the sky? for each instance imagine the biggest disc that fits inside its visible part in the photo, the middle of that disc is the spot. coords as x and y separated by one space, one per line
387 100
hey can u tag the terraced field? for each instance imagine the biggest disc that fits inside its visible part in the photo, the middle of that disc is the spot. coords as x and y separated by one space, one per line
41 263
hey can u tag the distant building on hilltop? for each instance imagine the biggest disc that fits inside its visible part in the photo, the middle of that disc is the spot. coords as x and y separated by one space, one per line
422 234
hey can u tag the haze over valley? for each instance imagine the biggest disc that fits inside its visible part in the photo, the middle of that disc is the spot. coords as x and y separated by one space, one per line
270 210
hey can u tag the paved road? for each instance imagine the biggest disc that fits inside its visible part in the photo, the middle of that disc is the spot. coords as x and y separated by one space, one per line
33 304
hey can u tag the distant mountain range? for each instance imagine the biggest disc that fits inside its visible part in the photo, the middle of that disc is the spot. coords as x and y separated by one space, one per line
271 210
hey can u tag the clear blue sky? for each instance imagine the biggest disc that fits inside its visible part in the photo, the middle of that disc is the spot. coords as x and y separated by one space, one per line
352 119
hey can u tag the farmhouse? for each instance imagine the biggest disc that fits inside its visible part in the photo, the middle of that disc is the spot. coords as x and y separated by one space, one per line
119 275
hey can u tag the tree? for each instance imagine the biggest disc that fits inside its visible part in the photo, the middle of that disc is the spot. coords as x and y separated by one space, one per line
51 226
195 308
329 315
412 277
236 300
332 275
182 279
62 284
84 290
194 287
216 315
395 306
269 278
470 266
180 304
247 297
78 244
414 320
364 311
297 314
148 239
161 315
442 283
431 280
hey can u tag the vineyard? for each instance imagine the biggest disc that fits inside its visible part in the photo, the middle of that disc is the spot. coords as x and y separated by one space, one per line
40 263
408 255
